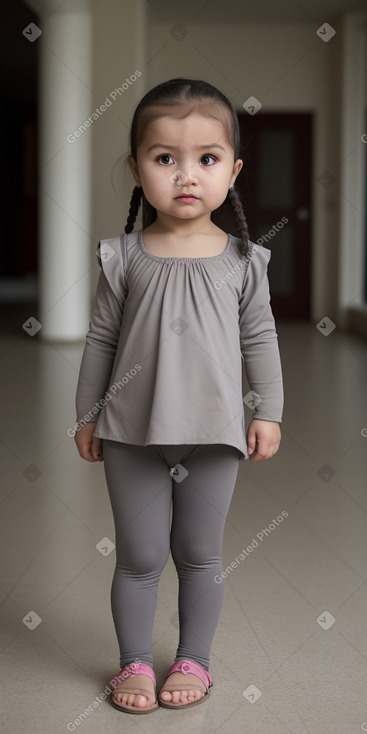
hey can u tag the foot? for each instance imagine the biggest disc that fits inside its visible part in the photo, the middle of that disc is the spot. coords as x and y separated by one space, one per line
183 679
134 699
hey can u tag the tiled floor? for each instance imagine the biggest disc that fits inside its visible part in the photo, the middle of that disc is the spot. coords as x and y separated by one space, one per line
294 619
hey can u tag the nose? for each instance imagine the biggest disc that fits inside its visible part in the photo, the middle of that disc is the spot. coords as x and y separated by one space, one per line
183 178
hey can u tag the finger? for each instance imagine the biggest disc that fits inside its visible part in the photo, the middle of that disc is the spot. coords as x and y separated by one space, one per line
85 451
251 441
256 457
265 452
97 449
87 454
252 451
261 451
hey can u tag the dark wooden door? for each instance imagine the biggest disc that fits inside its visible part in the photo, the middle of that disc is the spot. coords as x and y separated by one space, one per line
275 188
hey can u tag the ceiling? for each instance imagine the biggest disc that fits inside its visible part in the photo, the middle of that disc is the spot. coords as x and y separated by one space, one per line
19 59
252 11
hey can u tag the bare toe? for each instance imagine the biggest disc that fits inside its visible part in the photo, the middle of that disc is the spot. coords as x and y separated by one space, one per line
141 701
135 699
166 696
181 696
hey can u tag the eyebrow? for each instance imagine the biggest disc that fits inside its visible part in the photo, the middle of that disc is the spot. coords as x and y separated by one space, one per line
174 147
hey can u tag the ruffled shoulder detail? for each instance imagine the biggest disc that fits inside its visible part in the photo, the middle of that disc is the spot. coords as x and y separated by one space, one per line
257 261
112 258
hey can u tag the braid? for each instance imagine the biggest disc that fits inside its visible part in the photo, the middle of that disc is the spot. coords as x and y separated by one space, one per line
134 208
149 212
236 204
172 97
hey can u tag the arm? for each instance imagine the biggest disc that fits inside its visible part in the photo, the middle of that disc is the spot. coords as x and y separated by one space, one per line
259 348
96 365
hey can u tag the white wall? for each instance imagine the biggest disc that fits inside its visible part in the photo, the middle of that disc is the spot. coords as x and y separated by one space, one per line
352 307
119 50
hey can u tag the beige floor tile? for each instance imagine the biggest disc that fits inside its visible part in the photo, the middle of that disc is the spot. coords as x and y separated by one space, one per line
293 622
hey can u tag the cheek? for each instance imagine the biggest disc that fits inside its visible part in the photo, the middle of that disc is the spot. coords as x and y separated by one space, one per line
164 185
157 176
214 184
214 176
158 187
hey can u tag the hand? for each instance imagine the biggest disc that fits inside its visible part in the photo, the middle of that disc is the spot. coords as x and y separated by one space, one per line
89 446
263 439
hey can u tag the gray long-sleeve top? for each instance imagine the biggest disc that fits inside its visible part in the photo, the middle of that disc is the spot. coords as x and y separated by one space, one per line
162 363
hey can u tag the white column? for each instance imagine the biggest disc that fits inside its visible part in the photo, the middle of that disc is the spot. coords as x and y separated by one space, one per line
65 103
352 157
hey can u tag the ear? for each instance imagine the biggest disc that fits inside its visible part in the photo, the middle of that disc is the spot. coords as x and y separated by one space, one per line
134 170
236 169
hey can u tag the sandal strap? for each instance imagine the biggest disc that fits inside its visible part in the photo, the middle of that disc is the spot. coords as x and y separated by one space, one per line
135 690
189 666
133 669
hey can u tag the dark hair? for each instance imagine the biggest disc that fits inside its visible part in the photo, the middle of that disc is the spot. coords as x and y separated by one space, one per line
188 94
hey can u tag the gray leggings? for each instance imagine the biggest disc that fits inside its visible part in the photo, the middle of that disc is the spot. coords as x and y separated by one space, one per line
141 492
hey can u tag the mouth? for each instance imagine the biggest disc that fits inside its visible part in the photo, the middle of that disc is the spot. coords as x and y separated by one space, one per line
189 197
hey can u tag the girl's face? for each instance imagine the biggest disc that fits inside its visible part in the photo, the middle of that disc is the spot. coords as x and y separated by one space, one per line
187 156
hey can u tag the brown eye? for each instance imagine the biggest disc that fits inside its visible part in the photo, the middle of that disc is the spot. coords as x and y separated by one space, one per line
165 155
208 156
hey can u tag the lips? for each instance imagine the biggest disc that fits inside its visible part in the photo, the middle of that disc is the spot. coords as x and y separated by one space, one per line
186 196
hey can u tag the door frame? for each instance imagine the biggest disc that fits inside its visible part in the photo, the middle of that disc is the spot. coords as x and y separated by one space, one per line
298 304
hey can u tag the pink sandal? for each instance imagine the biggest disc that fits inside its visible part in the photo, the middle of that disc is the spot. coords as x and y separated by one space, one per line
127 672
187 666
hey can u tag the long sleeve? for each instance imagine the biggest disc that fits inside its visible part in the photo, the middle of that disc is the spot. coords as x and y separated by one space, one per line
101 343
259 339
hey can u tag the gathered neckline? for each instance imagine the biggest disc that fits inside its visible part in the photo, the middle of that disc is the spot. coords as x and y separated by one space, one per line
189 259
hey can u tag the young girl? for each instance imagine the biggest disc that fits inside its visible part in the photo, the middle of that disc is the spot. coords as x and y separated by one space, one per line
179 303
